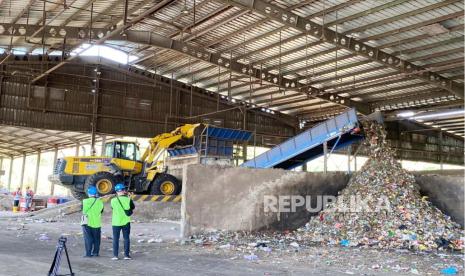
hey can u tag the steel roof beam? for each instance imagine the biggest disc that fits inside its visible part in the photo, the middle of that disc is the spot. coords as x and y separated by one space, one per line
237 32
117 31
458 124
358 47
445 120
300 106
436 105
367 12
301 4
19 152
416 38
437 54
388 90
221 82
429 46
413 26
339 68
320 114
331 87
248 92
316 65
334 8
419 96
400 16
77 33
452 128
148 38
353 81
300 59
21 145
344 67
208 68
271 93
280 98
446 63
375 84
300 100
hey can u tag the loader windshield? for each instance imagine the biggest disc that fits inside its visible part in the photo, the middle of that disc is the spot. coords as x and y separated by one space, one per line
122 150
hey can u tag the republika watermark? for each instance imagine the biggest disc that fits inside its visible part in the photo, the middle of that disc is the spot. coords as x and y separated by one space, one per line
342 204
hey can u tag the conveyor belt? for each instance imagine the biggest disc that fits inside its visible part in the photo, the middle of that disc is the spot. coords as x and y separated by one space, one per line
337 132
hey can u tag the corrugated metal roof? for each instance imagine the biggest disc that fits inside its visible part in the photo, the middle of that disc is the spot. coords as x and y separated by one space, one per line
402 27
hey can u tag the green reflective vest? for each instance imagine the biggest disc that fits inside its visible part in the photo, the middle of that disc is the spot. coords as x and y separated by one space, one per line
119 217
94 213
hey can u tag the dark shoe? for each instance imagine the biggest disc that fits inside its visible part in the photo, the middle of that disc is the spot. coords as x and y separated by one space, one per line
86 256
95 255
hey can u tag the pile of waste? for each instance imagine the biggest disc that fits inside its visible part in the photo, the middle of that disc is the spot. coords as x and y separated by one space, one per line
6 202
382 207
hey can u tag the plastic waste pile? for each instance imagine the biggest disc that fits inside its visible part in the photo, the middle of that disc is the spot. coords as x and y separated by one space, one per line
382 207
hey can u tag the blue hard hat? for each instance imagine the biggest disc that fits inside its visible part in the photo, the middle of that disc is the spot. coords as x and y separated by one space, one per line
120 187
91 191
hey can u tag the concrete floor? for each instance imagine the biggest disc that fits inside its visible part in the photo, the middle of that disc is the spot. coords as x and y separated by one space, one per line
22 253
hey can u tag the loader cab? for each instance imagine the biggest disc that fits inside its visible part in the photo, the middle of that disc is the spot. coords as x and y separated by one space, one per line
122 150
125 155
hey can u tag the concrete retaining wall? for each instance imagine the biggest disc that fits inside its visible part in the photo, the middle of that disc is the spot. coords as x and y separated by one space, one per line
445 191
232 197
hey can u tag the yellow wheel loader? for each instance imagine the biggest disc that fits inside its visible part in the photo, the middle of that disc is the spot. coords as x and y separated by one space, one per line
121 163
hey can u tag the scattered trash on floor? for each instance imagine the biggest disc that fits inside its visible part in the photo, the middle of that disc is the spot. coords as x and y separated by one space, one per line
449 270
158 240
251 257
44 237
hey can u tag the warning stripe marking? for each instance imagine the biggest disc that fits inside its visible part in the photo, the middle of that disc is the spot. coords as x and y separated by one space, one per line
152 198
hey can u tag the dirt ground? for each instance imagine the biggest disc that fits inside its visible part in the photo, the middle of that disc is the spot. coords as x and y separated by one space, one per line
27 247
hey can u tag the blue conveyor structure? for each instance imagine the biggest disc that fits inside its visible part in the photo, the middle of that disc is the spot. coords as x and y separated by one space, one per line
337 132
213 141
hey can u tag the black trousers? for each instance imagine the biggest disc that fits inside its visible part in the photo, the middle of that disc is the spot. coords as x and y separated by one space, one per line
126 229
91 240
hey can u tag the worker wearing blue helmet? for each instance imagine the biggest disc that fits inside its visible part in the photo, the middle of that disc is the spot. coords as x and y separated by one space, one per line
122 207
91 221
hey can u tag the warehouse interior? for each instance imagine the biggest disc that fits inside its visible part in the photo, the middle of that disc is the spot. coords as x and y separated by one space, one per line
367 81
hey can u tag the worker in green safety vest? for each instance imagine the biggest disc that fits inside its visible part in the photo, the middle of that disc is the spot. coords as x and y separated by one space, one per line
122 206
92 209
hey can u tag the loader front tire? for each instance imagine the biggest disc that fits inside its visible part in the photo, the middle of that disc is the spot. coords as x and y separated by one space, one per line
105 183
165 184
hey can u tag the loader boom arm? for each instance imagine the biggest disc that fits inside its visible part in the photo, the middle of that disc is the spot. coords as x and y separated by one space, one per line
163 141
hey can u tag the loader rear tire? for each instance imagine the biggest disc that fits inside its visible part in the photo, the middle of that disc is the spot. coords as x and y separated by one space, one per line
165 184
105 183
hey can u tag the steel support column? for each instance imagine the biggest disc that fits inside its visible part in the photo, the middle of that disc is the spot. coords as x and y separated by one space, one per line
23 166
104 140
325 154
55 157
1 166
440 150
95 104
355 163
349 150
36 176
10 173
